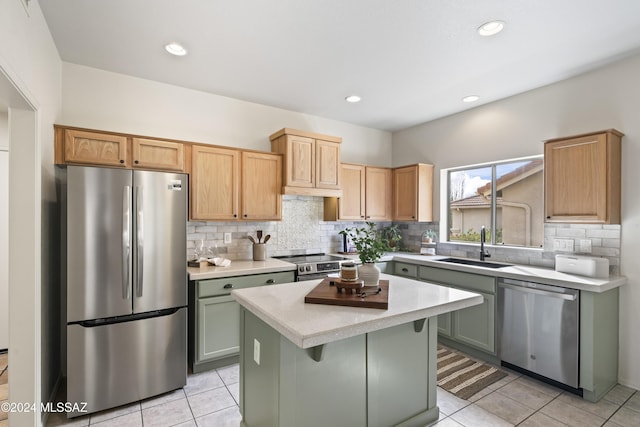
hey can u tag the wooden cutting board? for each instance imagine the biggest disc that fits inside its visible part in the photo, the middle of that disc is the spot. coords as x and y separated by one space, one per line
327 294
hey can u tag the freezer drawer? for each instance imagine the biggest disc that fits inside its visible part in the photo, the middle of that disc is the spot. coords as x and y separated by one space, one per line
119 363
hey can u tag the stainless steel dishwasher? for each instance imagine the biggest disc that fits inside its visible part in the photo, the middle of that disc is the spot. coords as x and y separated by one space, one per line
538 330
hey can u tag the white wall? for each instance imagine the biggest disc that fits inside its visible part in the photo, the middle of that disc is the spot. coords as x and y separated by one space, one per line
104 100
4 246
515 127
30 84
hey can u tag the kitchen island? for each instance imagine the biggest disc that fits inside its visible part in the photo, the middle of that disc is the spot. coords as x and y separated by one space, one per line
305 365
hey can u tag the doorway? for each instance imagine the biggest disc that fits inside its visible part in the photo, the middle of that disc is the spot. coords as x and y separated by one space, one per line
24 275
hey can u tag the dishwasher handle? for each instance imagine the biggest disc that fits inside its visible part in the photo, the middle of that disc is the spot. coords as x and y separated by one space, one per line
568 297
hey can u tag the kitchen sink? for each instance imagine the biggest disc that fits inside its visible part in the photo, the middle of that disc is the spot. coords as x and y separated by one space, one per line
474 262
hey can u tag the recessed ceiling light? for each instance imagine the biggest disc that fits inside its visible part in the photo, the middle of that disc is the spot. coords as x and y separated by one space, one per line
470 98
353 98
490 28
176 49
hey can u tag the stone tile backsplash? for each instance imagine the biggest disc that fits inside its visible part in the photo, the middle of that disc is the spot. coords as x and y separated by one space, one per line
302 231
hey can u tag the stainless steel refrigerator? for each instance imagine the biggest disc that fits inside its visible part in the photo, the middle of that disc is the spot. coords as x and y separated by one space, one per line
126 284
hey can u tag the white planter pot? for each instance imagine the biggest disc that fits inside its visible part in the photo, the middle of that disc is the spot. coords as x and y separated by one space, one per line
369 273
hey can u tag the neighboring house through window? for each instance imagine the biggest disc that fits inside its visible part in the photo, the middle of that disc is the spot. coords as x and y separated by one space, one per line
506 197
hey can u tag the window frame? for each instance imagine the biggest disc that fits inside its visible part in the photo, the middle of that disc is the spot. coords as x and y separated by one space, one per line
445 185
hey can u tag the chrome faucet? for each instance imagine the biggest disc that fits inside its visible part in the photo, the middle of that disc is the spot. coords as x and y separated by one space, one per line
483 238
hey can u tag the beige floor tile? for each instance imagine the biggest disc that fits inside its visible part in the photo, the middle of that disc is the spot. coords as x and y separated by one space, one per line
633 402
163 398
234 389
166 415
60 419
190 423
571 415
619 394
603 408
101 416
4 391
541 420
611 424
479 395
447 422
197 383
540 386
505 408
626 417
230 374
448 403
475 416
526 394
133 419
229 417
210 401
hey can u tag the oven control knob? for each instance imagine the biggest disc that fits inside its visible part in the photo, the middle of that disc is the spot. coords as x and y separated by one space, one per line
301 269
308 268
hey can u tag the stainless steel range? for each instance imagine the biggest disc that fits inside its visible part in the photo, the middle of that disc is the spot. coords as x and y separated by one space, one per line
314 266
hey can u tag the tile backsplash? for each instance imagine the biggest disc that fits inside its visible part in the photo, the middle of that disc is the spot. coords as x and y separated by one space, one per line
302 230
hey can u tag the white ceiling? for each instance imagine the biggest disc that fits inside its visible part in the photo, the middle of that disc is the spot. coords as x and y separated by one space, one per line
411 61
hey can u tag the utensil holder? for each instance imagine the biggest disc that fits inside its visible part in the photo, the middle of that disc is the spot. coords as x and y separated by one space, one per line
259 251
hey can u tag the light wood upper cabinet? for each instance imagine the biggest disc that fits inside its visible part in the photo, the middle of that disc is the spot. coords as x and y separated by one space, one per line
95 148
582 178
366 195
378 194
413 193
311 164
214 183
261 185
157 154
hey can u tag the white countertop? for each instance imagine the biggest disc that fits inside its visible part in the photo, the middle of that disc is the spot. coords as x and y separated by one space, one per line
307 325
240 268
519 272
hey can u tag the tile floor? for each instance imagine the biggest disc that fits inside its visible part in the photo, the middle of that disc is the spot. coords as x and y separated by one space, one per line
211 398
4 387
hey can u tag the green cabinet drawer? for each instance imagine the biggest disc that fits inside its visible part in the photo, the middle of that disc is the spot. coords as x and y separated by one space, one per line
403 269
212 287
469 281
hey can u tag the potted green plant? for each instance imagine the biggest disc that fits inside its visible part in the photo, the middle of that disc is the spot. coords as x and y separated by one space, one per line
371 245
392 236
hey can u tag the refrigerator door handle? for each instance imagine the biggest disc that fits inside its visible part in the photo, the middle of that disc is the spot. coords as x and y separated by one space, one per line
140 241
126 245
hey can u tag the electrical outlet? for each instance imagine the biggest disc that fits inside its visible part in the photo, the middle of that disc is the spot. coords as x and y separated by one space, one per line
563 245
256 351
227 238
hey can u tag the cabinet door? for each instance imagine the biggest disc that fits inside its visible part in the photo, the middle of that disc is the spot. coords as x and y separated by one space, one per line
327 164
475 326
351 204
214 183
218 328
156 154
405 194
444 324
261 185
301 159
576 179
95 148
378 194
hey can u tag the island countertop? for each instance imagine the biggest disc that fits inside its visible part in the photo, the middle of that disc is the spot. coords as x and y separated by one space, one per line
308 325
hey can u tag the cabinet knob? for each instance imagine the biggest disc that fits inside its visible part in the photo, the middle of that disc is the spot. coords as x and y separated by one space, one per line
271 281
121 161
413 217
136 162
245 215
549 217
405 270
361 216
228 286
235 215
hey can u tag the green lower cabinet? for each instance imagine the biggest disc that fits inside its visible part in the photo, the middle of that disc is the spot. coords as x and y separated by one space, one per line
475 325
444 325
218 326
356 382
